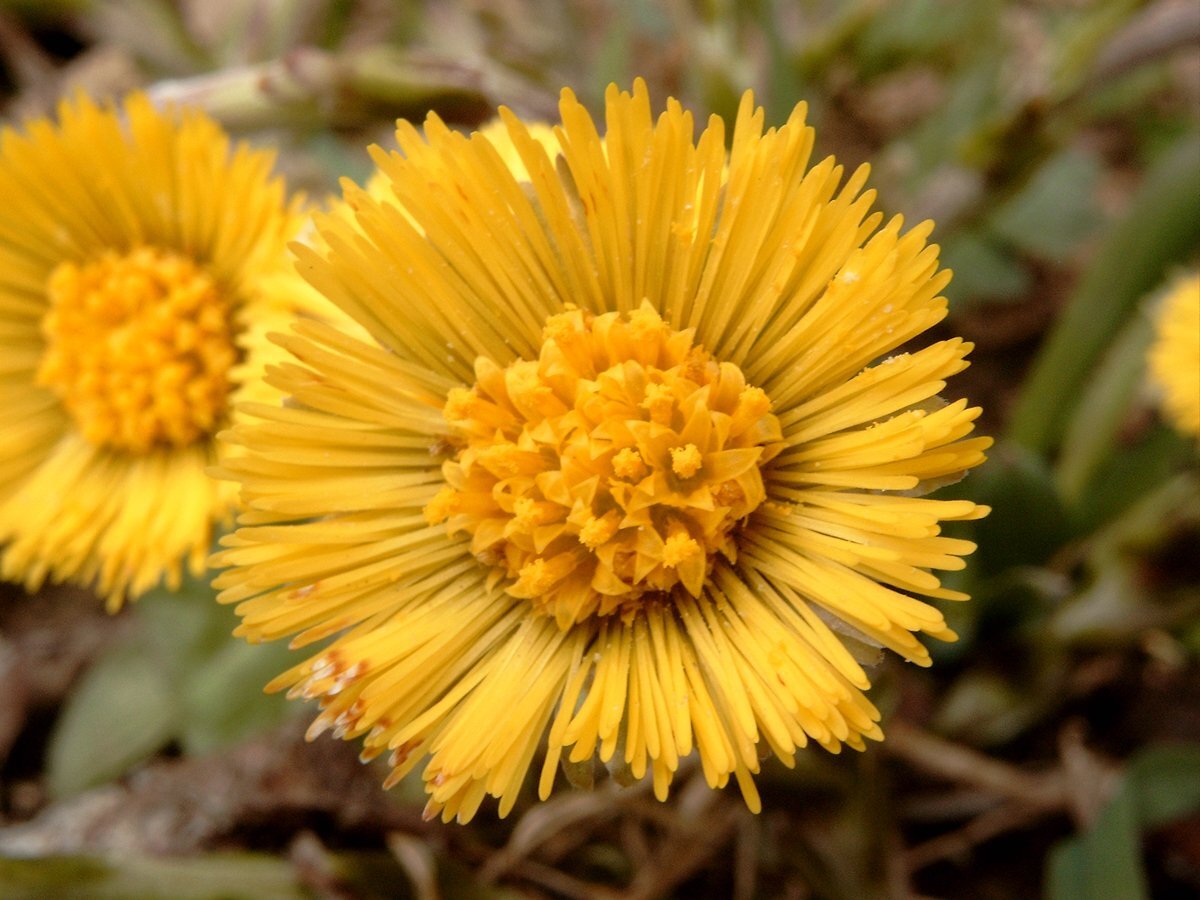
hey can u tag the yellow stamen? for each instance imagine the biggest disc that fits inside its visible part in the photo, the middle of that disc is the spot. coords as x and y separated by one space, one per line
596 532
628 465
528 513
659 402
538 576
678 548
686 461
139 348
753 403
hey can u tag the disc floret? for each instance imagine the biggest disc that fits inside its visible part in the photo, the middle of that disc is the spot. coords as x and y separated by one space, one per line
612 469
139 348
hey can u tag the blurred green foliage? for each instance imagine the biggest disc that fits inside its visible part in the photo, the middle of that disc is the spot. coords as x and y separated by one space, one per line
1160 785
176 677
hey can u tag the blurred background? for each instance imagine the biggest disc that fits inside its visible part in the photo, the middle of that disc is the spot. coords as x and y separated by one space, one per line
1054 750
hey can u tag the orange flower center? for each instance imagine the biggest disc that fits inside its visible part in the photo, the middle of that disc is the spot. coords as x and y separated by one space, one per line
139 348
615 466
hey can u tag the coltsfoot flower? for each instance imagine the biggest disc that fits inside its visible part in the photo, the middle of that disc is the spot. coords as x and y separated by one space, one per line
1174 357
134 247
630 443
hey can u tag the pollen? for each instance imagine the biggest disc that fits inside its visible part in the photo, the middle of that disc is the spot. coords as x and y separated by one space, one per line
753 403
529 513
686 461
597 532
658 403
569 470
679 548
628 465
138 348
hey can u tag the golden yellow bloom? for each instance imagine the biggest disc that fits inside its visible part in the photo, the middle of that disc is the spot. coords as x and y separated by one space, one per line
379 186
626 443
1174 357
134 247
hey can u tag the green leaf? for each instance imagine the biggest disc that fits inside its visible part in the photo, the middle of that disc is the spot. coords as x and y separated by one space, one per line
1161 228
1111 609
1091 436
184 626
612 63
180 676
1055 210
1133 471
955 130
1150 520
216 679
1067 872
120 713
983 269
901 32
1166 783
223 876
1081 38
222 697
1161 784
1105 861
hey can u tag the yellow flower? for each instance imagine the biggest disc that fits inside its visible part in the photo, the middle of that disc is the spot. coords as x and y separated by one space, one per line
626 449
133 250
1174 357
379 186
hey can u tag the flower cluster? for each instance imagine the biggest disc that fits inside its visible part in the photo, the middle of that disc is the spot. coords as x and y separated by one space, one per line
136 247
627 440
583 446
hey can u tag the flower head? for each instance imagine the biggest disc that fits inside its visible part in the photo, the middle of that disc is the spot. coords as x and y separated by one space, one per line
1174 357
626 442
134 250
